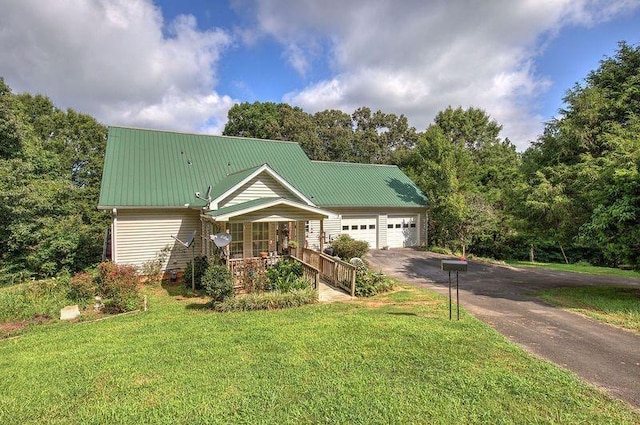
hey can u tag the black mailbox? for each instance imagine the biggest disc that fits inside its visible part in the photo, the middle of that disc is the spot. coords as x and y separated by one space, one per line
453 265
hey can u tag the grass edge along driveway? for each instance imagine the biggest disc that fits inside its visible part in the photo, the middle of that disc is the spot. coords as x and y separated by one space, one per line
395 358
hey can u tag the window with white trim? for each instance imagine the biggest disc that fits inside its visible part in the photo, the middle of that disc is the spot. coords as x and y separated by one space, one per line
260 238
236 247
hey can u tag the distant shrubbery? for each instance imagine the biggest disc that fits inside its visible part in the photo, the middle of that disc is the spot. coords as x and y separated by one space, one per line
280 286
285 276
269 300
42 298
346 247
217 283
116 284
118 287
200 265
370 283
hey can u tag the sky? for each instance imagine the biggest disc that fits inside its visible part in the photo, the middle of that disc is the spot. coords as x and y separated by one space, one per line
180 65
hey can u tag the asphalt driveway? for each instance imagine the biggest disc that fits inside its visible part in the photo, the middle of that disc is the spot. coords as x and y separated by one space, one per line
502 297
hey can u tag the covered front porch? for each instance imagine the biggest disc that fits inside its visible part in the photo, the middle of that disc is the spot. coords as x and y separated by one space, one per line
268 229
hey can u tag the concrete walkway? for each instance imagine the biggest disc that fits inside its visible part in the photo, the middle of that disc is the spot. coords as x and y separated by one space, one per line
328 294
504 297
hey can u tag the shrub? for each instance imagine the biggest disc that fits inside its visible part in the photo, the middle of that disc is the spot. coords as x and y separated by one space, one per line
118 286
153 268
253 276
39 298
346 247
201 265
217 283
284 276
370 283
440 250
269 300
82 288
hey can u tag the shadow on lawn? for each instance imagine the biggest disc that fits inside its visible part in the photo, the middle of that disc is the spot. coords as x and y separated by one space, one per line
402 313
178 290
198 306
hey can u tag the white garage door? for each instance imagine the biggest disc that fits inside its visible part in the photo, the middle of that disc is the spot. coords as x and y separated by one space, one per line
362 229
402 231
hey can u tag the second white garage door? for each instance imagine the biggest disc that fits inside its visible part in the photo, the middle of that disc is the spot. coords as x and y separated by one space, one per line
402 231
362 229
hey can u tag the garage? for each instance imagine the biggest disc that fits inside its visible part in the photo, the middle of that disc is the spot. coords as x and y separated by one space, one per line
362 229
402 231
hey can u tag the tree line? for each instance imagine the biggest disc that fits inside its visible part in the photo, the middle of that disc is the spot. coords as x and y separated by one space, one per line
573 195
50 170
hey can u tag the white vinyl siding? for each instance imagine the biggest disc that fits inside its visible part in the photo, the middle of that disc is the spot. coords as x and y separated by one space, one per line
141 234
331 228
261 186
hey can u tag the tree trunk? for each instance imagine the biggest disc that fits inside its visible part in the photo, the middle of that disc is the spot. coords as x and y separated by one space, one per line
563 254
531 257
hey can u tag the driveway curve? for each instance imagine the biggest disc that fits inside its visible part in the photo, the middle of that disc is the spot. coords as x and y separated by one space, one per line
502 297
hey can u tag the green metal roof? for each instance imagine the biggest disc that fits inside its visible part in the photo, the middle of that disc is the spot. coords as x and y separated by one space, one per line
151 168
231 180
341 184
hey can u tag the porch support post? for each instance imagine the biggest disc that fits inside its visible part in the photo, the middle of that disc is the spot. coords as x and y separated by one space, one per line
300 232
203 246
321 235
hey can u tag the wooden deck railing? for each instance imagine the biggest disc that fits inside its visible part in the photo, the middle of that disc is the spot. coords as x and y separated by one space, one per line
238 267
334 271
309 272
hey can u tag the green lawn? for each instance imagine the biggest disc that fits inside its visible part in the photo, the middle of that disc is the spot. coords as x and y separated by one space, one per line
394 358
617 306
577 268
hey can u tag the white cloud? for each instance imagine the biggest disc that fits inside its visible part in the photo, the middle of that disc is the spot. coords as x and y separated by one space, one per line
116 60
417 57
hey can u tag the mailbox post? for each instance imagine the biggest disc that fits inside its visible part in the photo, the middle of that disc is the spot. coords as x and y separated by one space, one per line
454 266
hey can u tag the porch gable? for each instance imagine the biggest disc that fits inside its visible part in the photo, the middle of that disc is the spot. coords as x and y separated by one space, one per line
252 184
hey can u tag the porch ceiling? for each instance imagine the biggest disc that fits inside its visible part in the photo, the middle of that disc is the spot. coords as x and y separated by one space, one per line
271 209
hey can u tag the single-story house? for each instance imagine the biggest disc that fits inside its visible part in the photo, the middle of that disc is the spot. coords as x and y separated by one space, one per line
159 185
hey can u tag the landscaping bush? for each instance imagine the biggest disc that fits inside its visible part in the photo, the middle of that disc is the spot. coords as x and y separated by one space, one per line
440 250
152 269
268 300
82 288
284 276
201 265
217 283
118 286
370 283
347 248
39 298
253 276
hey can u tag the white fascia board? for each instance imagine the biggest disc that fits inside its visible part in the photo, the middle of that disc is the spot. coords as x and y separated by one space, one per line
312 209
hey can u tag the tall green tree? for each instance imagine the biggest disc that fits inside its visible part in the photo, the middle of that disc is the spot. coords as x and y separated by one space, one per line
467 172
590 157
50 175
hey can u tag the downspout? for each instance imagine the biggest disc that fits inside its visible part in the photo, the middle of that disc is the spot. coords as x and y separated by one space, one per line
426 229
114 233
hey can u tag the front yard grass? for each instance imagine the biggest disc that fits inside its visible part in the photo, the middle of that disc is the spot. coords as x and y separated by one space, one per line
614 305
578 268
393 358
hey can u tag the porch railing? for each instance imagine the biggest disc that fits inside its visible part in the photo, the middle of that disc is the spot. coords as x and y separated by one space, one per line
334 271
238 268
309 272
